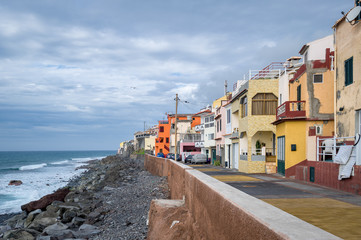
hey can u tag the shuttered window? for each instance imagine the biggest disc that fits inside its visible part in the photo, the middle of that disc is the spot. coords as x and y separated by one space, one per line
349 71
264 104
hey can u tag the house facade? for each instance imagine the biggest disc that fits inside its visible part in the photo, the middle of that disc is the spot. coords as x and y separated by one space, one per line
348 78
257 110
309 112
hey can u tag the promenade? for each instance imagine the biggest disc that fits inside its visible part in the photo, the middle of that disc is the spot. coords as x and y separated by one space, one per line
333 211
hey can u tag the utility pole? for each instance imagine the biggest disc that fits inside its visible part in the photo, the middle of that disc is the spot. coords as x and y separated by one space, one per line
175 126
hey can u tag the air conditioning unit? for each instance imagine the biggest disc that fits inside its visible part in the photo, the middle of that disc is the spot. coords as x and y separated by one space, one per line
319 129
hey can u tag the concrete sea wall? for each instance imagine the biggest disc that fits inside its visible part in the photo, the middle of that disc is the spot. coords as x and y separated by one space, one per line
202 207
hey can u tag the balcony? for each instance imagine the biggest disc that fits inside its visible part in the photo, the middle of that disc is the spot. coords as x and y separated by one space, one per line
291 109
191 137
199 127
199 144
235 134
163 122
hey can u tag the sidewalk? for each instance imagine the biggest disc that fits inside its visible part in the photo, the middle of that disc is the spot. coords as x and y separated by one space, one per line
334 211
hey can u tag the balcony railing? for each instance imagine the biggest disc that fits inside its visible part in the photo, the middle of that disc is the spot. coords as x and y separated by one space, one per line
199 144
291 109
199 127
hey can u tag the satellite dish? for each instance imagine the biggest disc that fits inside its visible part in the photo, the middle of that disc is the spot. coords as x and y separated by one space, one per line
353 14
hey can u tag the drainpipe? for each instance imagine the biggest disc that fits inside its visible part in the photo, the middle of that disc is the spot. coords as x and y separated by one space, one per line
335 84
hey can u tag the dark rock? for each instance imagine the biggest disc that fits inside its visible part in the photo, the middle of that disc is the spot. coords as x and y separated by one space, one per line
43 202
68 216
77 221
15 182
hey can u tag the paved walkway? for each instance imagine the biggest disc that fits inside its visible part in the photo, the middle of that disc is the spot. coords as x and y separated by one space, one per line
334 211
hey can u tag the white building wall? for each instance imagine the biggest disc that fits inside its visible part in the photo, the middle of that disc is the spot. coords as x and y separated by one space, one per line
316 49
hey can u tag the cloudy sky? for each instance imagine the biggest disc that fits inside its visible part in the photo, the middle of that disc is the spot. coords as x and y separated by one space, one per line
86 74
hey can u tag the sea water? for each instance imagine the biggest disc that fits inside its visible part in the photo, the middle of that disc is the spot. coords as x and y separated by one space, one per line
42 172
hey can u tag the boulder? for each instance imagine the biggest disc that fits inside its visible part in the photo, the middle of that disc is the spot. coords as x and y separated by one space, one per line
43 202
55 229
17 221
23 234
15 182
86 231
40 223
77 221
68 216
31 217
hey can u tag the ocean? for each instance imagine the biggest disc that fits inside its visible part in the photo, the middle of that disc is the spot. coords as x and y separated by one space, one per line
41 172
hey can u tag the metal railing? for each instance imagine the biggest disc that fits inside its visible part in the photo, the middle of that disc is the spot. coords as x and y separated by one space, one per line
264 151
291 109
327 148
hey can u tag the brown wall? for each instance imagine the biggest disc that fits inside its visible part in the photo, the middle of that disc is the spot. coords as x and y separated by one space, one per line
215 210
326 174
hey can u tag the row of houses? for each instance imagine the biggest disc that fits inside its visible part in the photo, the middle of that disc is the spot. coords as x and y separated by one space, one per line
284 116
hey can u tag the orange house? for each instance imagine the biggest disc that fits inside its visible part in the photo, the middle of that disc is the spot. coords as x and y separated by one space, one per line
162 142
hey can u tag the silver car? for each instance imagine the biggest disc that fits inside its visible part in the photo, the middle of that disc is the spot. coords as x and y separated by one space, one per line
199 158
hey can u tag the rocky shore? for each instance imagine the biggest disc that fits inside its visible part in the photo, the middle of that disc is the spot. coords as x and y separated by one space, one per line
109 201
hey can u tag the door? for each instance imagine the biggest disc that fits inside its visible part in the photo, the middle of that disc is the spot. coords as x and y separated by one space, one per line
299 97
229 156
281 155
235 156
214 157
357 136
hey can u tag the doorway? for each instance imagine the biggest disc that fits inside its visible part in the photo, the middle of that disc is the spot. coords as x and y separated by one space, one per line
281 155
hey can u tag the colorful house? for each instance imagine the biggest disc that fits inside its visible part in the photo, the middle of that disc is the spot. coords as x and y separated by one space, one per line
207 130
220 127
162 141
257 110
309 111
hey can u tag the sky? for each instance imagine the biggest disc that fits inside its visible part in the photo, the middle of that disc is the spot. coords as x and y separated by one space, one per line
86 74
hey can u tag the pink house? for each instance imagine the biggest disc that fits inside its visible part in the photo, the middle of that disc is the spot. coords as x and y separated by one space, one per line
220 125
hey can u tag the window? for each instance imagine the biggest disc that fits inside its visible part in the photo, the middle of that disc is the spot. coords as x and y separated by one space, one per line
317 78
228 115
211 119
167 140
211 136
244 107
161 129
217 123
349 71
220 124
264 104
206 119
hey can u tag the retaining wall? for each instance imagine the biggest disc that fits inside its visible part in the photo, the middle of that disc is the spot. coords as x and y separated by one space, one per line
326 174
216 210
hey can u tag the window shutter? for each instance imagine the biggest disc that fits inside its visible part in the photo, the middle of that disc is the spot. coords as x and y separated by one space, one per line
349 71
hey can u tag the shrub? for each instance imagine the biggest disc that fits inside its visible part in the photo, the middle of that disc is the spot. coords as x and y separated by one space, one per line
217 163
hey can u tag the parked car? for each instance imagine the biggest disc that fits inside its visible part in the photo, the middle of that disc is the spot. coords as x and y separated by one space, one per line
170 156
160 154
199 158
188 159
179 157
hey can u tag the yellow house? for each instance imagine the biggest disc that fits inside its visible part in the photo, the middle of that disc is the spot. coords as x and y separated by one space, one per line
257 110
307 114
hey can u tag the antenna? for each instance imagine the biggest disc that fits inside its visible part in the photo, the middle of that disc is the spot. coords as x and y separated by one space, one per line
352 15
225 87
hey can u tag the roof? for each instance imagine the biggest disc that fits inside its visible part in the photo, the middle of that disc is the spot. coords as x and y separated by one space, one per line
202 112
